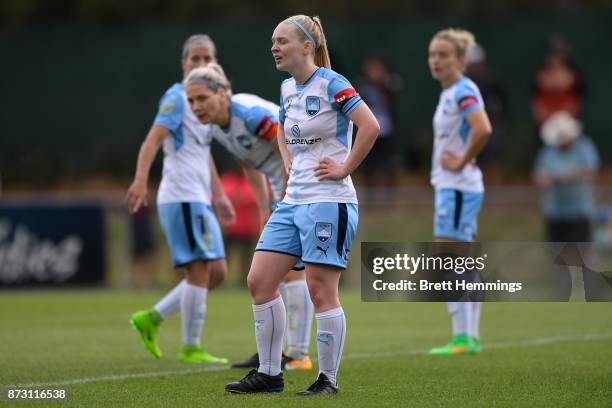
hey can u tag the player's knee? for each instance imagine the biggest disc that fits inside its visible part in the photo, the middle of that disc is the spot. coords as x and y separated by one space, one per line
318 294
218 274
253 283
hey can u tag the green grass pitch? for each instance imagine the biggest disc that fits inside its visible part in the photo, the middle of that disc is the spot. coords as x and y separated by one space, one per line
536 354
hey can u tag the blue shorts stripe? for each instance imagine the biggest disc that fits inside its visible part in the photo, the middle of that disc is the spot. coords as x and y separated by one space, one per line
458 204
186 209
342 224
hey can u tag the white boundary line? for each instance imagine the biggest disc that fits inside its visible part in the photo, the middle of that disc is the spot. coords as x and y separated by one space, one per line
500 345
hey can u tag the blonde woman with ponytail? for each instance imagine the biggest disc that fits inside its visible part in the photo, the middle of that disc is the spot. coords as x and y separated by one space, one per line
188 191
246 125
461 131
317 219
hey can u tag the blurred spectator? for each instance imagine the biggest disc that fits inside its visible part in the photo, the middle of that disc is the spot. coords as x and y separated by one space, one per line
378 87
495 97
565 167
559 84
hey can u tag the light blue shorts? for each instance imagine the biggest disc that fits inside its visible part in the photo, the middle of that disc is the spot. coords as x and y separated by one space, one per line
319 233
299 265
192 232
457 214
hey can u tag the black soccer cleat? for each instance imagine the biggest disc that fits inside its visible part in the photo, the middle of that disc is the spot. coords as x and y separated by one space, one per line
252 362
320 387
284 360
255 382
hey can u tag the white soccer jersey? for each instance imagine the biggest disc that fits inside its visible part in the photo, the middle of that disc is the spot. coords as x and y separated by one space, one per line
186 173
451 132
315 119
251 135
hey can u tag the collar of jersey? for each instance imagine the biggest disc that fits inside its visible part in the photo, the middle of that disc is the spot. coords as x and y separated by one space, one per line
300 88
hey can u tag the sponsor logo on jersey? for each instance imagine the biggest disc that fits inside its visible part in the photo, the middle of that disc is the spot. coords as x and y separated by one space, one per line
245 141
295 131
467 101
303 141
313 105
342 97
323 231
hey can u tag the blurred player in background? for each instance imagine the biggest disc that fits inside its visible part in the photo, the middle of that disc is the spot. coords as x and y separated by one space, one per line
317 219
184 205
246 125
461 131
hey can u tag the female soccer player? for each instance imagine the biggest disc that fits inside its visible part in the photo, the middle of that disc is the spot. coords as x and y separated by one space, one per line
184 205
317 219
246 125
461 130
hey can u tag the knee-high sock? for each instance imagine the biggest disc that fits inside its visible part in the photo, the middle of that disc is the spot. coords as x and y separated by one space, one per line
475 323
461 316
331 333
270 322
299 318
171 303
193 312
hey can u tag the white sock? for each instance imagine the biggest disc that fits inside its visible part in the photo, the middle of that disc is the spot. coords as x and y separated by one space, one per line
475 323
282 289
193 311
331 332
270 322
461 316
300 311
171 303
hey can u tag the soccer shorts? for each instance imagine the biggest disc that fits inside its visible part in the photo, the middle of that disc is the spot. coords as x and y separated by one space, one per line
319 233
192 231
457 214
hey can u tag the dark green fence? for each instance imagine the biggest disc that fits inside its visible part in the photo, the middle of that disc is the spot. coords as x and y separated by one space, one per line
79 99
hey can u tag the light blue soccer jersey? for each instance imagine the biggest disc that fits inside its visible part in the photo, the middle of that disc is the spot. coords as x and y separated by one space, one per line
251 136
316 124
186 172
451 132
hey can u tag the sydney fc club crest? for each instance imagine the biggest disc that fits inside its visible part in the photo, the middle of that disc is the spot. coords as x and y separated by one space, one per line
323 231
295 131
313 105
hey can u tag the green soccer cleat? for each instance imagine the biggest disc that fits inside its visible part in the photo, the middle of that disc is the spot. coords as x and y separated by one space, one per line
195 354
476 348
147 322
458 345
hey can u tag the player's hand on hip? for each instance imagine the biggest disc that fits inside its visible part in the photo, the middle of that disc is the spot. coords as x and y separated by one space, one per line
452 162
330 170
136 196
225 210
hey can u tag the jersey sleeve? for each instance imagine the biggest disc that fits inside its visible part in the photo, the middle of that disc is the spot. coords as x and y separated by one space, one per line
342 96
467 100
171 111
261 123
